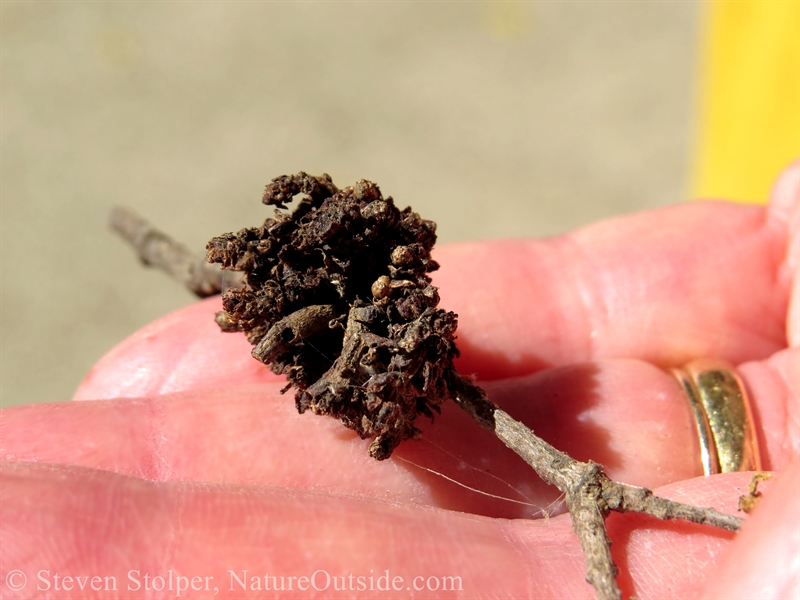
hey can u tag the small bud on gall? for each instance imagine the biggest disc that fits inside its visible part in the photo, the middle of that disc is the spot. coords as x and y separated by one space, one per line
402 256
382 287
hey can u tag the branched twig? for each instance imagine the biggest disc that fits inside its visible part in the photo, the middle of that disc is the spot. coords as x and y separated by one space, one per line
309 276
590 494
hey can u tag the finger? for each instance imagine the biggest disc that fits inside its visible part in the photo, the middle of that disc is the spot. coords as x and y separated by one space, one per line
110 526
692 281
627 415
184 350
774 387
689 281
763 562
666 286
785 211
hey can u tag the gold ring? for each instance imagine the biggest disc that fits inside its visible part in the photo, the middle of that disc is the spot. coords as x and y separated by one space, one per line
722 413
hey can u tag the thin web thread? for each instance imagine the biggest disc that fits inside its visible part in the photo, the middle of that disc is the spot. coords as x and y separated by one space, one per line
482 472
544 512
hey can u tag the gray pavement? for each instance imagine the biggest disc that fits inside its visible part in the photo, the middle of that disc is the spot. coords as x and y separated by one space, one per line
494 119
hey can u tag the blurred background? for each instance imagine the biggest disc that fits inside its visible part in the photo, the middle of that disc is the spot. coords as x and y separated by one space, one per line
494 119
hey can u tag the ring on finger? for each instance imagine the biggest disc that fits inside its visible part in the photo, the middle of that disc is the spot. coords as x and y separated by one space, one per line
722 414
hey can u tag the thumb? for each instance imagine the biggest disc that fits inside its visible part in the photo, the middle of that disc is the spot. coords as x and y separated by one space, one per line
764 561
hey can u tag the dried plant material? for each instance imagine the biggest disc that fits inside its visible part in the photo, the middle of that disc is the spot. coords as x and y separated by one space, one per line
338 299
748 501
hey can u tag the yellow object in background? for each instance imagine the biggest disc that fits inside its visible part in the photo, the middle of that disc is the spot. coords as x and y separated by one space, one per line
750 113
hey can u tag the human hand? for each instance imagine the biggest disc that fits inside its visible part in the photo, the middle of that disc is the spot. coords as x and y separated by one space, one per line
569 335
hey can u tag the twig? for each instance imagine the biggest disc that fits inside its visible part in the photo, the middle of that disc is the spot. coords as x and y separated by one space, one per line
156 249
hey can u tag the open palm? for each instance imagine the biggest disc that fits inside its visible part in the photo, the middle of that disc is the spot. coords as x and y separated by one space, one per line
190 474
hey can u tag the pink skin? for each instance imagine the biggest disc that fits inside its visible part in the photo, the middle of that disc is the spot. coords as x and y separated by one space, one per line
188 458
